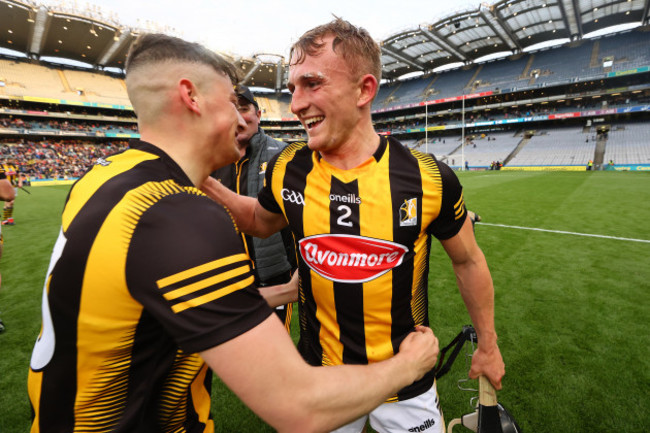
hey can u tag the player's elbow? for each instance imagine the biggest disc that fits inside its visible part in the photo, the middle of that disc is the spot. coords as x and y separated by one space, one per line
265 227
307 411
305 422
301 426
297 418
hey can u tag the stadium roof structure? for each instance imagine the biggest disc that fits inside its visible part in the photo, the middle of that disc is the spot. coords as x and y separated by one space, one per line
507 26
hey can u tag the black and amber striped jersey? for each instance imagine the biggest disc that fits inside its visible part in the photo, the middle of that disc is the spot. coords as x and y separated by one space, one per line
364 237
146 272
10 173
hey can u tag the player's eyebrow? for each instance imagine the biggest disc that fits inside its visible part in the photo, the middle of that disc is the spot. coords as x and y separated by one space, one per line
304 78
307 76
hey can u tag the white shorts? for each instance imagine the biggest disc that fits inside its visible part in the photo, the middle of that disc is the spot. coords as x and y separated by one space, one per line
417 414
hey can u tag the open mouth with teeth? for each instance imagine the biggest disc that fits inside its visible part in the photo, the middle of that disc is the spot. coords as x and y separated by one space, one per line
314 121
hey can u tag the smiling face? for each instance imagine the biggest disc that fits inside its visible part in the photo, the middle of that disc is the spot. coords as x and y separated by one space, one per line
251 116
325 97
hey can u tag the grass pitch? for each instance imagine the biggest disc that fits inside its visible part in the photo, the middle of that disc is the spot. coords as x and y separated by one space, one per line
571 310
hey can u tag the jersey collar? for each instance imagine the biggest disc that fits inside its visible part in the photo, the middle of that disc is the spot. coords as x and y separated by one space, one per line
177 172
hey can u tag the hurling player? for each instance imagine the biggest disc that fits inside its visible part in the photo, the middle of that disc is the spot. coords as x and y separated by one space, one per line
363 209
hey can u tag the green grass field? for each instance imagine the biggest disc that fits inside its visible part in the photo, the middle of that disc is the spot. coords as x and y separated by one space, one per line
571 310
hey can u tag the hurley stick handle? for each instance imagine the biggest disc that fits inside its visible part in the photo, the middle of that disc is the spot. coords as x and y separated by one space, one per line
487 395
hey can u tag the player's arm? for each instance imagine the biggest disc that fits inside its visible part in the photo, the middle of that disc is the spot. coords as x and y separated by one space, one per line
475 285
454 230
7 192
281 294
239 336
292 396
250 216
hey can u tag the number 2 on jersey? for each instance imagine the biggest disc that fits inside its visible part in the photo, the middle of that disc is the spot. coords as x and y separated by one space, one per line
346 214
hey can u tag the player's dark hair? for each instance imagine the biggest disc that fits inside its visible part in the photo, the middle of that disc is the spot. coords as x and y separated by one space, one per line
156 47
354 44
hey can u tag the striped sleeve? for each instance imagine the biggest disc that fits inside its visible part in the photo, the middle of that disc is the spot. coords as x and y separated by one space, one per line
452 211
265 196
194 278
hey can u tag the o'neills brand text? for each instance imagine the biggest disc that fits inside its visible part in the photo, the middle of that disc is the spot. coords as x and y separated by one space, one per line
347 198
351 259
425 426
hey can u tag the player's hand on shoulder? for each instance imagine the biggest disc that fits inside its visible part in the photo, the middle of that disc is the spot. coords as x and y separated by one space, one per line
421 348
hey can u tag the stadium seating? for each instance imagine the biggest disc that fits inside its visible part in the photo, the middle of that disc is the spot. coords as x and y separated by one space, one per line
502 74
628 50
497 148
81 93
441 147
564 64
25 79
628 143
98 87
562 146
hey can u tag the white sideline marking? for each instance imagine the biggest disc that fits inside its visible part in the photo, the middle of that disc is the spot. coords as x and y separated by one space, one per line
566 233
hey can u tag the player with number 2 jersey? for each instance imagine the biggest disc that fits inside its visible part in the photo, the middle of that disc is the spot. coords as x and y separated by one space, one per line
364 237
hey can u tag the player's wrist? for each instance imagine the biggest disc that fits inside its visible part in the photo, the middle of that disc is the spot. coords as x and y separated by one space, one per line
487 341
400 368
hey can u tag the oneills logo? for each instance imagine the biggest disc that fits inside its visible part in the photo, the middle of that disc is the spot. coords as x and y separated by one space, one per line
408 212
350 259
347 198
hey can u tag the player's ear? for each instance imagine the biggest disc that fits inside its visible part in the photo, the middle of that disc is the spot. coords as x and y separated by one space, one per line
368 88
189 95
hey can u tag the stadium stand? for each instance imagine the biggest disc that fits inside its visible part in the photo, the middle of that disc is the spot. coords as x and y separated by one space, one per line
628 143
627 50
452 83
565 146
558 65
444 146
501 74
531 108
25 79
98 87
55 159
564 64
481 151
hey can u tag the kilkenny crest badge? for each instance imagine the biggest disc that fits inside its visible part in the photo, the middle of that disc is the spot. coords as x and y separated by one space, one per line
263 167
408 213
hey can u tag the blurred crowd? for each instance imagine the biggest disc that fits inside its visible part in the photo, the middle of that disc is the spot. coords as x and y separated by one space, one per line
26 124
55 159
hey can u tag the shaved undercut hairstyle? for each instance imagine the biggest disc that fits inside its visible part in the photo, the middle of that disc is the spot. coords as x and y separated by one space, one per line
155 48
158 50
354 44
